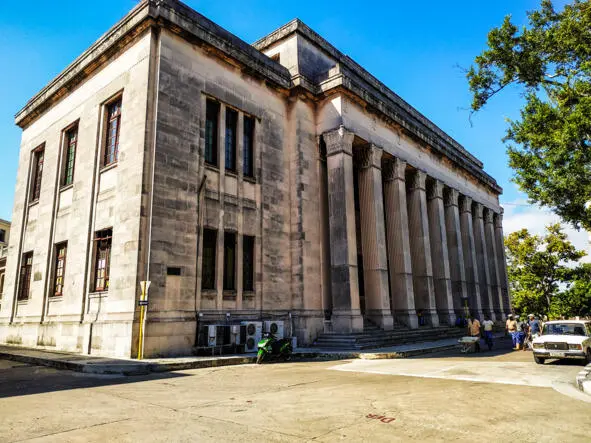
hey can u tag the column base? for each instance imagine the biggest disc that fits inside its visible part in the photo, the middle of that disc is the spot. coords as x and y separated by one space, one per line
407 318
381 318
447 318
347 321
429 318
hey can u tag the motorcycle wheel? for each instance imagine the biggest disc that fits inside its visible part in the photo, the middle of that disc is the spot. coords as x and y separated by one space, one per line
260 357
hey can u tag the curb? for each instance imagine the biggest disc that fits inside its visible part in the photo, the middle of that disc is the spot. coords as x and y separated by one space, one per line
583 380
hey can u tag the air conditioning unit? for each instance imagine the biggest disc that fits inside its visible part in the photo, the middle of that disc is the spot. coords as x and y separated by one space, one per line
253 334
275 327
218 335
238 335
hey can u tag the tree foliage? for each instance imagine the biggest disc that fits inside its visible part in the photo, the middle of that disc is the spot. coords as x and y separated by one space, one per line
576 300
539 267
549 147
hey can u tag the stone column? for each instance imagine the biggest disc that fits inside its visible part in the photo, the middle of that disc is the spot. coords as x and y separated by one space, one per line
455 250
470 258
482 260
346 314
373 238
502 262
439 254
491 245
420 249
398 242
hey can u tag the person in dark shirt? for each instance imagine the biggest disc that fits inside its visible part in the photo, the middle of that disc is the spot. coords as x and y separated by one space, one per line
534 325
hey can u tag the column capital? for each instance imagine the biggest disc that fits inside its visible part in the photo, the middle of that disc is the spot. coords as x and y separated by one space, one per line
498 219
435 190
370 157
478 210
451 197
465 204
418 180
488 215
394 169
338 140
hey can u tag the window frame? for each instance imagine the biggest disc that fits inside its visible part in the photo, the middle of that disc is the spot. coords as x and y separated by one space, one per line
210 238
213 159
65 155
56 269
231 140
2 276
25 279
248 240
37 173
106 236
248 149
229 279
2 235
106 154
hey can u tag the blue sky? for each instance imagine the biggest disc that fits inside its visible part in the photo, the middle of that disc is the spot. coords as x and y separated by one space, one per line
415 48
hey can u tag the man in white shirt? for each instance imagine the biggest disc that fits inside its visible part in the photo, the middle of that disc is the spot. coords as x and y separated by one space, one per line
488 332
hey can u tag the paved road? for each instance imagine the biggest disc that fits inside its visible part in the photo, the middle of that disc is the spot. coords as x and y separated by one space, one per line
486 397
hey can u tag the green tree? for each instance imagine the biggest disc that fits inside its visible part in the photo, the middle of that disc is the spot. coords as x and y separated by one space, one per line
538 266
549 146
576 300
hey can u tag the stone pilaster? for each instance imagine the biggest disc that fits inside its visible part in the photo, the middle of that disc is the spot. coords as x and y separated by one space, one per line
482 260
373 238
455 250
470 256
502 262
346 314
420 248
491 245
439 254
398 243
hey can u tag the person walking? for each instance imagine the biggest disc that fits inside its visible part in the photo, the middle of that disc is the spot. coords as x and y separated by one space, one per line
474 327
521 330
511 327
487 325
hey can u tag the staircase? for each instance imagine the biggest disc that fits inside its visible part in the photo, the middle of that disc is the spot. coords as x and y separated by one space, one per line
374 337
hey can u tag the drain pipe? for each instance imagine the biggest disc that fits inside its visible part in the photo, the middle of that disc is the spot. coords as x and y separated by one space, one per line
199 224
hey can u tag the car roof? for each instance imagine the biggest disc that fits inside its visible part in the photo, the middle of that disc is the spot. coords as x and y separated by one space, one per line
567 321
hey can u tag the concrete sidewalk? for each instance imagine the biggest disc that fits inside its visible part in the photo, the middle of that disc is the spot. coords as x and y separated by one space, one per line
104 365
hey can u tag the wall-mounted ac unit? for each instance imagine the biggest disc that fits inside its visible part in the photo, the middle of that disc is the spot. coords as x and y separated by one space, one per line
254 333
238 335
275 327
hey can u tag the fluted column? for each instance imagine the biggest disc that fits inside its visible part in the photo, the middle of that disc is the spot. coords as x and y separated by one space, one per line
482 260
439 254
346 314
398 243
420 248
491 245
470 256
502 263
373 238
455 250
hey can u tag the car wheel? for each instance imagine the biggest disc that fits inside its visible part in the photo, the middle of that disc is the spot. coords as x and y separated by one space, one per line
539 360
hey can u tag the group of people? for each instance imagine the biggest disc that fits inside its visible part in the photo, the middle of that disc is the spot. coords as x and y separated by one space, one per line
522 332
484 330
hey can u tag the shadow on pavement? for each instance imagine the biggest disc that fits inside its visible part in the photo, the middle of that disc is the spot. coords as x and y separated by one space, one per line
17 379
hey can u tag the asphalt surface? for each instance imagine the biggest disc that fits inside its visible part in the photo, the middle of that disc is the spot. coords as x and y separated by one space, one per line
497 396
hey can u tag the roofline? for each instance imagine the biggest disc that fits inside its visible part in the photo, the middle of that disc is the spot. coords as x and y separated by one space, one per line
172 14
355 72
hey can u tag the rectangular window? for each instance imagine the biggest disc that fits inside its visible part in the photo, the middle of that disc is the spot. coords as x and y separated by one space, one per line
211 132
102 261
61 250
1 284
25 276
112 134
231 123
248 148
38 157
2 236
209 255
248 263
229 261
71 141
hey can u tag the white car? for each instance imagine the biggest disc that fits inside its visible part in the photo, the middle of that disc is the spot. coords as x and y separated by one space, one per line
563 339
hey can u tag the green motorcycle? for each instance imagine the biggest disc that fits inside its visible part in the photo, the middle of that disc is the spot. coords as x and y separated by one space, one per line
273 348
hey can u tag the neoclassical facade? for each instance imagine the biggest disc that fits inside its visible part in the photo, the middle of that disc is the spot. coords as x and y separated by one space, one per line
278 180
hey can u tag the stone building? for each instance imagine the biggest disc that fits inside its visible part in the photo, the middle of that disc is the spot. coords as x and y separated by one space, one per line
272 180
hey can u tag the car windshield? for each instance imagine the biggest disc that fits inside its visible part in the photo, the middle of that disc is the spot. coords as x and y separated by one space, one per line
564 329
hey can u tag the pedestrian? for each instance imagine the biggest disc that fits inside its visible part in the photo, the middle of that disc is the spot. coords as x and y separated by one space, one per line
474 327
521 326
488 324
534 326
511 327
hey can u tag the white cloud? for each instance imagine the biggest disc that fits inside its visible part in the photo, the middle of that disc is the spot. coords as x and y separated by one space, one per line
519 215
